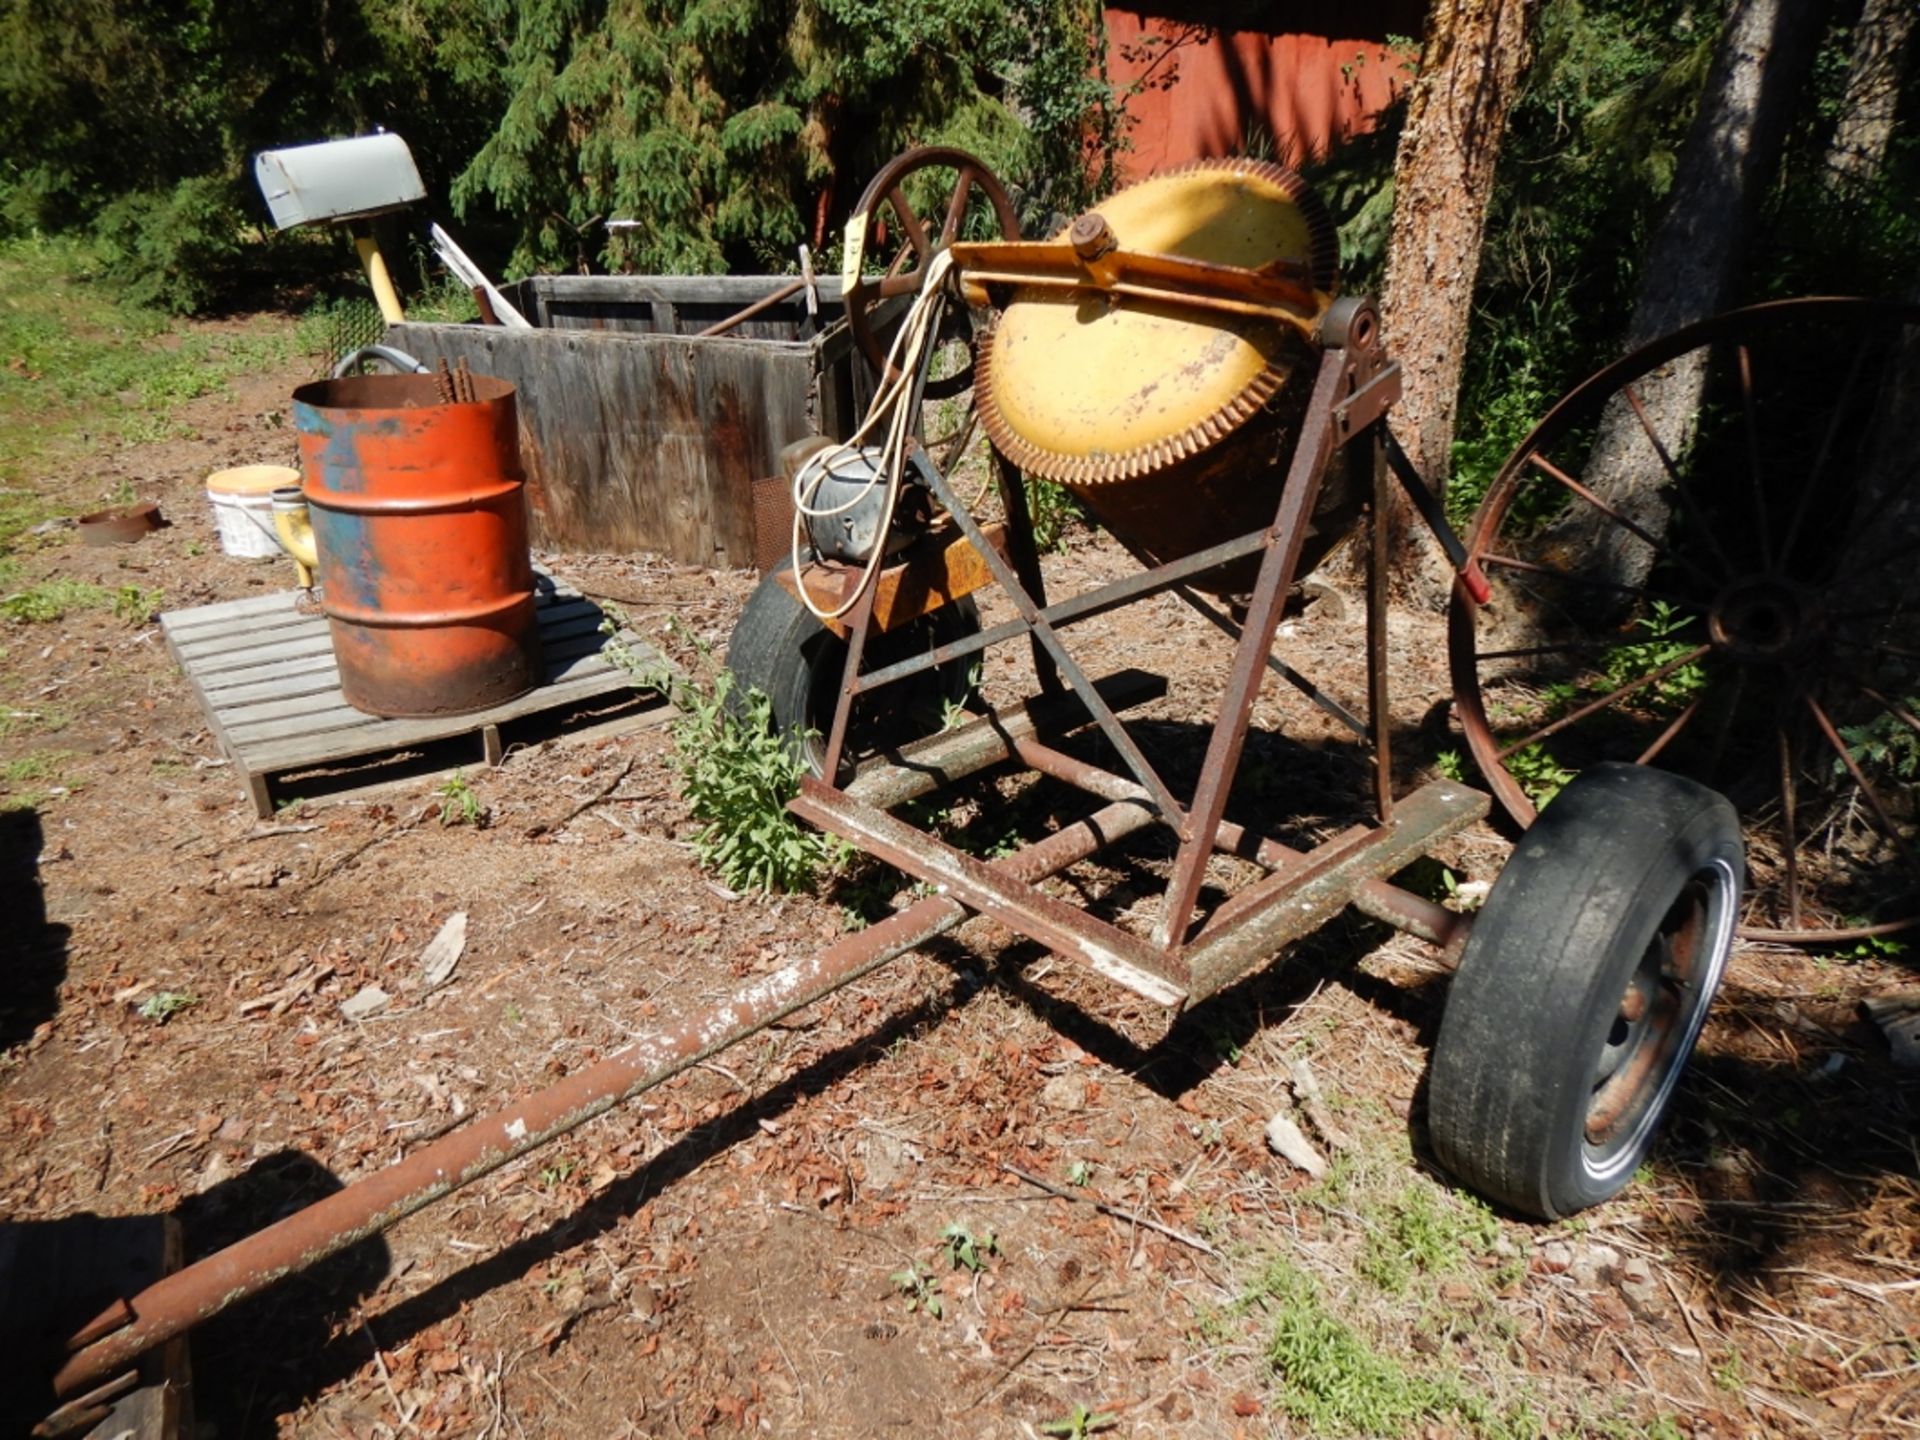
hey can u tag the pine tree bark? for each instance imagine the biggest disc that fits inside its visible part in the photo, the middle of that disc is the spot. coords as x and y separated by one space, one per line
1882 48
1475 54
1692 267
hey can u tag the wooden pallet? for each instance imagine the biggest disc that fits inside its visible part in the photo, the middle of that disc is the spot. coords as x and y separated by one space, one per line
264 672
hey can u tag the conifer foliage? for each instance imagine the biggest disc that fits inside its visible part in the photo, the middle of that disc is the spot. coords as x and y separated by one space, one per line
729 131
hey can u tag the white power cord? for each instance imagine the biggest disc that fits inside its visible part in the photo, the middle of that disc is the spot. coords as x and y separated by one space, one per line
894 403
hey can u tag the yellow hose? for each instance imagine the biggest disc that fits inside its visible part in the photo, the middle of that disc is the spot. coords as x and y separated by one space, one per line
294 530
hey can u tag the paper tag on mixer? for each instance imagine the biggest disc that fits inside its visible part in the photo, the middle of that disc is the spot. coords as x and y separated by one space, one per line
850 253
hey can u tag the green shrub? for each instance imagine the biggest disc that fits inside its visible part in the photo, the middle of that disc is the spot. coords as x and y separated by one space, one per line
176 249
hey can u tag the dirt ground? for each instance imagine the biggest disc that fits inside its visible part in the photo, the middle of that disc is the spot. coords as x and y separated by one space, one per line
761 1246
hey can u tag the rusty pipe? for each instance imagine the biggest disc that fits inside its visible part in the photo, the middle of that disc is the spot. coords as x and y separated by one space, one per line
202 1290
1381 899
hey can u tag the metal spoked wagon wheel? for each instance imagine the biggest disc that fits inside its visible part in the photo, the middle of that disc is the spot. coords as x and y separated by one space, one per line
1707 559
919 204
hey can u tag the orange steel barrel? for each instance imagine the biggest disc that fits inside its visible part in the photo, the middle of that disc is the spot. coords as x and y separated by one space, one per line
419 516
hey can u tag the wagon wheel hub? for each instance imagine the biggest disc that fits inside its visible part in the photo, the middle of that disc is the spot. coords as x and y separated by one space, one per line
1764 620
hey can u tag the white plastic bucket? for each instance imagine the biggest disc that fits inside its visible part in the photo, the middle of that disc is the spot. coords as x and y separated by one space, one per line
243 508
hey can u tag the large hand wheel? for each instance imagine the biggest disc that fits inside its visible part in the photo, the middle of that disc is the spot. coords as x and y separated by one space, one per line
920 203
1707 558
781 650
1582 989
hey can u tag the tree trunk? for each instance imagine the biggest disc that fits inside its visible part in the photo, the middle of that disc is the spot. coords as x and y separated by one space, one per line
1694 262
1881 49
1470 68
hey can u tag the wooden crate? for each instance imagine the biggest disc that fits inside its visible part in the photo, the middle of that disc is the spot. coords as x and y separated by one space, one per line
637 434
263 671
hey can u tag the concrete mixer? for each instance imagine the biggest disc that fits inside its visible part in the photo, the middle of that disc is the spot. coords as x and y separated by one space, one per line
1181 360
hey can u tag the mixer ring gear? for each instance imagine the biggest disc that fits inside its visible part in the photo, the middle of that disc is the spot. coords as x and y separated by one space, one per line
886 198
1119 422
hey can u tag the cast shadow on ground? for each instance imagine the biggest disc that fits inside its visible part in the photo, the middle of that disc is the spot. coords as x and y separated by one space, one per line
242 1381
33 962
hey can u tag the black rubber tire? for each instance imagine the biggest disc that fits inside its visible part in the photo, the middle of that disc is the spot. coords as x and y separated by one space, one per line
1630 878
780 649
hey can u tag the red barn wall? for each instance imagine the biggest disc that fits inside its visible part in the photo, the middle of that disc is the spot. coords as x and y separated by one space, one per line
1211 75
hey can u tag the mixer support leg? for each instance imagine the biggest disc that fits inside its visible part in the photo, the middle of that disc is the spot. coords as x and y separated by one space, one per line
1379 708
1025 553
1284 542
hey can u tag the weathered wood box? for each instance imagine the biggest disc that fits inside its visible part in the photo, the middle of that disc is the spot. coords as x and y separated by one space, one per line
637 433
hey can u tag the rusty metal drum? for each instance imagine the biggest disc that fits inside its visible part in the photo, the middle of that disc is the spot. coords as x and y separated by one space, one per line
419 515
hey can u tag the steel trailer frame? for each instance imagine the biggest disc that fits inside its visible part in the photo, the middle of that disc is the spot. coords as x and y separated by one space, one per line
1188 957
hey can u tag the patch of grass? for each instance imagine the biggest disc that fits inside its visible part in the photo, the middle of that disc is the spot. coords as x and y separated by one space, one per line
51 600
81 364
27 768
55 599
27 782
1421 1232
1327 1376
43 720
1332 1380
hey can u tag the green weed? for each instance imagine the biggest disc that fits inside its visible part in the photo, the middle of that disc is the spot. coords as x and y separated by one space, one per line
458 803
965 1250
1662 646
1079 1422
736 774
1538 773
1053 511
1334 1382
163 1005
1886 743
915 1283
135 604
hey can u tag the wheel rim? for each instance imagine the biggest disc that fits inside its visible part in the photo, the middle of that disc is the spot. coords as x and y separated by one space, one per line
1751 626
1662 1009
971 197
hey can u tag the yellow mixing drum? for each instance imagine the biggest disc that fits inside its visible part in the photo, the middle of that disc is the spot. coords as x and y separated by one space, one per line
1168 393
